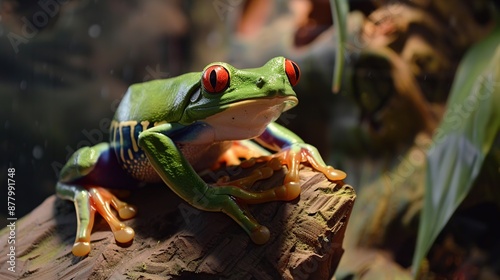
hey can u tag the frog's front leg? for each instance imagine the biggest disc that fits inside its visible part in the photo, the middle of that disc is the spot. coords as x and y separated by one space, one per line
78 182
292 151
179 175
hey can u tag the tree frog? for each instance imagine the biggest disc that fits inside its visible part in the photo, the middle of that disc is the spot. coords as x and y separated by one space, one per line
170 129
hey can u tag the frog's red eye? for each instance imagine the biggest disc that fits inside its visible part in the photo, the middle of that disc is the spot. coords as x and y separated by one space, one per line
215 79
292 71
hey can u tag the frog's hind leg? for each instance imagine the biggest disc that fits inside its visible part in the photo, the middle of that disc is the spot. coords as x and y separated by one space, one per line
78 183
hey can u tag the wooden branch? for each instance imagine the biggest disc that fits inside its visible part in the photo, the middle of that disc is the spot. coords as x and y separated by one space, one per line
174 240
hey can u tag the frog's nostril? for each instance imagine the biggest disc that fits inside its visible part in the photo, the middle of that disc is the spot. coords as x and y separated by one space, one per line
260 82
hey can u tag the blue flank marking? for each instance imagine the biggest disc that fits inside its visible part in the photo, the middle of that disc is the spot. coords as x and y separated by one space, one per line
127 142
188 133
178 134
108 164
275 139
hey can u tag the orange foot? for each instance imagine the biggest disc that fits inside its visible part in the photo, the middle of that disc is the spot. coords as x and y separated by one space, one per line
292 157
87 202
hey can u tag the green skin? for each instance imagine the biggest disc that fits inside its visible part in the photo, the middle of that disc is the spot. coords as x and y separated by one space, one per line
184 114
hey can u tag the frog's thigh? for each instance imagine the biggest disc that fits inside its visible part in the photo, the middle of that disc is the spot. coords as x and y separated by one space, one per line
78 184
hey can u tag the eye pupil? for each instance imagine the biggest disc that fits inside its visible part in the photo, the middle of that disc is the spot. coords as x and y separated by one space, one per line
215 79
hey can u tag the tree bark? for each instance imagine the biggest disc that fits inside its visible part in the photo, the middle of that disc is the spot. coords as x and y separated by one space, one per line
175 241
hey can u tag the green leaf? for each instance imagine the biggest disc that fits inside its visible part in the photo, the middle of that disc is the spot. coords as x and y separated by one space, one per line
462 141
340 9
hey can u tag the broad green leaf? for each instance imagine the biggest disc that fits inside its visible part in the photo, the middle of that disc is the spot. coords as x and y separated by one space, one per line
462 141
340 9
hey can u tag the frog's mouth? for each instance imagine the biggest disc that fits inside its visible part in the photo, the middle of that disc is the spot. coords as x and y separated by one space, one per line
248 118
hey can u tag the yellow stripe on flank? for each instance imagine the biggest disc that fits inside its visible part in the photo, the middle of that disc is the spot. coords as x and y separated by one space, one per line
122 156
128 123
132 137
145 125
115 132
114 126
119 126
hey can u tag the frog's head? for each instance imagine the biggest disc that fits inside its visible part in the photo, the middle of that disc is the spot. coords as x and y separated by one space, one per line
239 104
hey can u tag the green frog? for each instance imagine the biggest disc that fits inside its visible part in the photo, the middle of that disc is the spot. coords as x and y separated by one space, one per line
171 129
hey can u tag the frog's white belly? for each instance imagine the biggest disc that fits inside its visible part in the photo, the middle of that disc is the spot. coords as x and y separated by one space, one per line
203 156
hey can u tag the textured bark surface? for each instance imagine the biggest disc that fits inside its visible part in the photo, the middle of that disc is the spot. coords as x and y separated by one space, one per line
175 241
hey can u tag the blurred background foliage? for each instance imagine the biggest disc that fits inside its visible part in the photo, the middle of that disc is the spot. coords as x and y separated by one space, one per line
403 126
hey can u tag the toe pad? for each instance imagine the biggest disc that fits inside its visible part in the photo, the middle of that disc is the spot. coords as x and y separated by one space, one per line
260 235
127 212
124 235
81 249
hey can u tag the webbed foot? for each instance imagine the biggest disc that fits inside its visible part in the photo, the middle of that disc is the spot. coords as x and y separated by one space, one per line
298 153
89 200
292 157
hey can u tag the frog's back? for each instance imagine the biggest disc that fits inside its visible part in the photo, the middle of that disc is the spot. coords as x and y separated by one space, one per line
158 100
144 106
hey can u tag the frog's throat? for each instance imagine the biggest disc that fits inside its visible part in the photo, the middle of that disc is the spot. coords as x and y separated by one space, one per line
249 118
